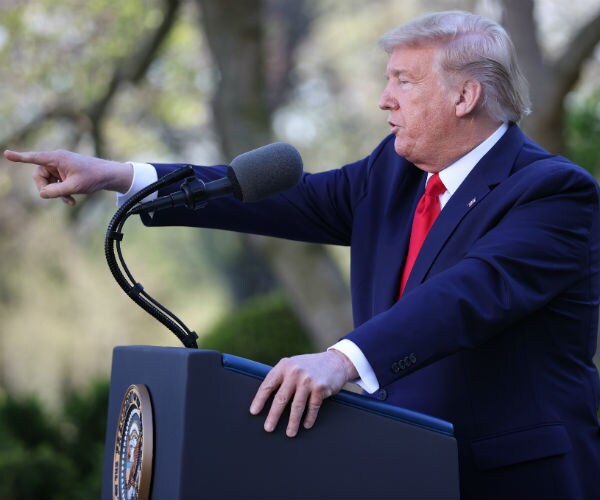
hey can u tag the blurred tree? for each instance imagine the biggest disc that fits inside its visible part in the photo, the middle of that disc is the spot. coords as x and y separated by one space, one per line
259 39
550 78
264 329
43 455
264 36
583 131
88 117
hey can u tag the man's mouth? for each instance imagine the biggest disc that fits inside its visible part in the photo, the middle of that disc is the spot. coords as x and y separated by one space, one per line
394 128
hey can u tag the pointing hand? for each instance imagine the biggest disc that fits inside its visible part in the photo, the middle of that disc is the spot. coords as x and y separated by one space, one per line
61 174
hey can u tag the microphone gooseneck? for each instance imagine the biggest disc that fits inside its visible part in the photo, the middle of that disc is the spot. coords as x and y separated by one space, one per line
122 275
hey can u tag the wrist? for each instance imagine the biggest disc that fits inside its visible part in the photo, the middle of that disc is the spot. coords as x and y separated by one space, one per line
118 176
350 372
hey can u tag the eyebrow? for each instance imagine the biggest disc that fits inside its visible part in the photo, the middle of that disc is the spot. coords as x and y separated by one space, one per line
394 72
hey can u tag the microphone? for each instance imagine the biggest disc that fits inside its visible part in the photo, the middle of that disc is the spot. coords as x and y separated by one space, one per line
252 176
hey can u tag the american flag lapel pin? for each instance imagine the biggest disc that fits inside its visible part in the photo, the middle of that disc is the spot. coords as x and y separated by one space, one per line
472 202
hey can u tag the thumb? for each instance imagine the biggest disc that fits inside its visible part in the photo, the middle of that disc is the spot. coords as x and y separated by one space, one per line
57 190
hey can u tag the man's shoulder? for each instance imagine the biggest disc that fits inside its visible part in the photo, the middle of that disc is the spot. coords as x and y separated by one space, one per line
535 161
552 166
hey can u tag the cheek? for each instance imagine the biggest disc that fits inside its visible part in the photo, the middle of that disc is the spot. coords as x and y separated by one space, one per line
413 115
439 115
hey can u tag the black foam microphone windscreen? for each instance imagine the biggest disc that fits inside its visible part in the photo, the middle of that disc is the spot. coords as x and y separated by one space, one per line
265 171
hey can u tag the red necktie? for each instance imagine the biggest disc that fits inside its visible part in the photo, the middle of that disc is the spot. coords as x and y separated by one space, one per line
427 211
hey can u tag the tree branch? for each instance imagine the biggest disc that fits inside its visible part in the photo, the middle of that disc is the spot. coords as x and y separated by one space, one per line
568 65
60 111
287 25
518 19
129 69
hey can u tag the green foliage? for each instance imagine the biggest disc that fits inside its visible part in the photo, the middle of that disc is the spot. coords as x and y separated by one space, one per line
53 456
85 417
583 131
42 473
25 420
264 329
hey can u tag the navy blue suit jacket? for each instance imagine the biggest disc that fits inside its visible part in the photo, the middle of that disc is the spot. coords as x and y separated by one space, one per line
497 326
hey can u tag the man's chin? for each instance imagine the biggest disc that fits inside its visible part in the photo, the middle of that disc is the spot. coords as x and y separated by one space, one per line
400 147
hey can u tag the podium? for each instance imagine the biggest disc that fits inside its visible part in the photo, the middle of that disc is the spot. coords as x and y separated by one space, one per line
207 445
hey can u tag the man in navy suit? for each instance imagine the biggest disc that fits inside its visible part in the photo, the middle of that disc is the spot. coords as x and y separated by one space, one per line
491 321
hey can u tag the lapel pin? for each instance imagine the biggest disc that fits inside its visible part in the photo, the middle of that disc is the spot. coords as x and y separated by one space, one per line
472 202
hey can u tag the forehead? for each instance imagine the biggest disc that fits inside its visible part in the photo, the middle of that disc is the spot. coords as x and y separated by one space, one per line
415 60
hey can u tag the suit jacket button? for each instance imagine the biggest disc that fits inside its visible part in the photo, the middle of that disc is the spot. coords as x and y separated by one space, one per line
395 367
382 394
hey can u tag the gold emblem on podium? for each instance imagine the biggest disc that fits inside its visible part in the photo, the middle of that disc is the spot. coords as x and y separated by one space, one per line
132 464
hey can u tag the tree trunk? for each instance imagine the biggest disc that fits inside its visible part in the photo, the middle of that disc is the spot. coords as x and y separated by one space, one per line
549 79
242 108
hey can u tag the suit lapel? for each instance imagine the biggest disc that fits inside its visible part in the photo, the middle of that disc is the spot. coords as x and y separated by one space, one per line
490 171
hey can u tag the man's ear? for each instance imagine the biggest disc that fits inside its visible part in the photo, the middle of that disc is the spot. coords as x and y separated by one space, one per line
469 97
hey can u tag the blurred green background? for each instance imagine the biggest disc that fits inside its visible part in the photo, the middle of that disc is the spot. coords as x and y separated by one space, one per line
201 81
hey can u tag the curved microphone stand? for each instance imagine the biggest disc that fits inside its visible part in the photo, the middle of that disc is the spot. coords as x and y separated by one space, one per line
130 286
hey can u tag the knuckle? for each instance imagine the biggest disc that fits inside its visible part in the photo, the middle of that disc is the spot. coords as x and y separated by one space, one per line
272 380
297 407
297 372
283 362
321 388
296 411
280 399
314 407
306 381
268 386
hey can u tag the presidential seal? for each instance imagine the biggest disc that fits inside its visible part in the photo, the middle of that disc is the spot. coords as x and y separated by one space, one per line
132 465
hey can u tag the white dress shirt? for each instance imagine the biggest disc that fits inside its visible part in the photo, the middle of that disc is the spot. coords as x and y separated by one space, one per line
144 174
452 176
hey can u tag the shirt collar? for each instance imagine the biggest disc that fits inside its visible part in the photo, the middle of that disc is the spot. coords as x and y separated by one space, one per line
454 174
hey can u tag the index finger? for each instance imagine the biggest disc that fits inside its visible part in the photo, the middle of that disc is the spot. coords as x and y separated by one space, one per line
35 157
271 382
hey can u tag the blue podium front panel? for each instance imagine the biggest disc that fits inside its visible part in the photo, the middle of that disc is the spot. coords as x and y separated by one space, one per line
207 445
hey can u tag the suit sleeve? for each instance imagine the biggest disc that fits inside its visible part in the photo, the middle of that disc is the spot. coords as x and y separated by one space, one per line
319 209
544 244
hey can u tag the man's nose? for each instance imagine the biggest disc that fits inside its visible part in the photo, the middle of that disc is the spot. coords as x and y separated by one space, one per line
387 101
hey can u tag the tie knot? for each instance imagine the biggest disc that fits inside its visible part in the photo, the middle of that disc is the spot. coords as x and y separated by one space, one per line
435 186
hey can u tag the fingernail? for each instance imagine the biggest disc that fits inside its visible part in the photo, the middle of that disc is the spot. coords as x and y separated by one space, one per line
269 427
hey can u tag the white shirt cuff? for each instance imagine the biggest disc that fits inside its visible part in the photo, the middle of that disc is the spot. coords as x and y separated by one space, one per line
144 174
368 380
